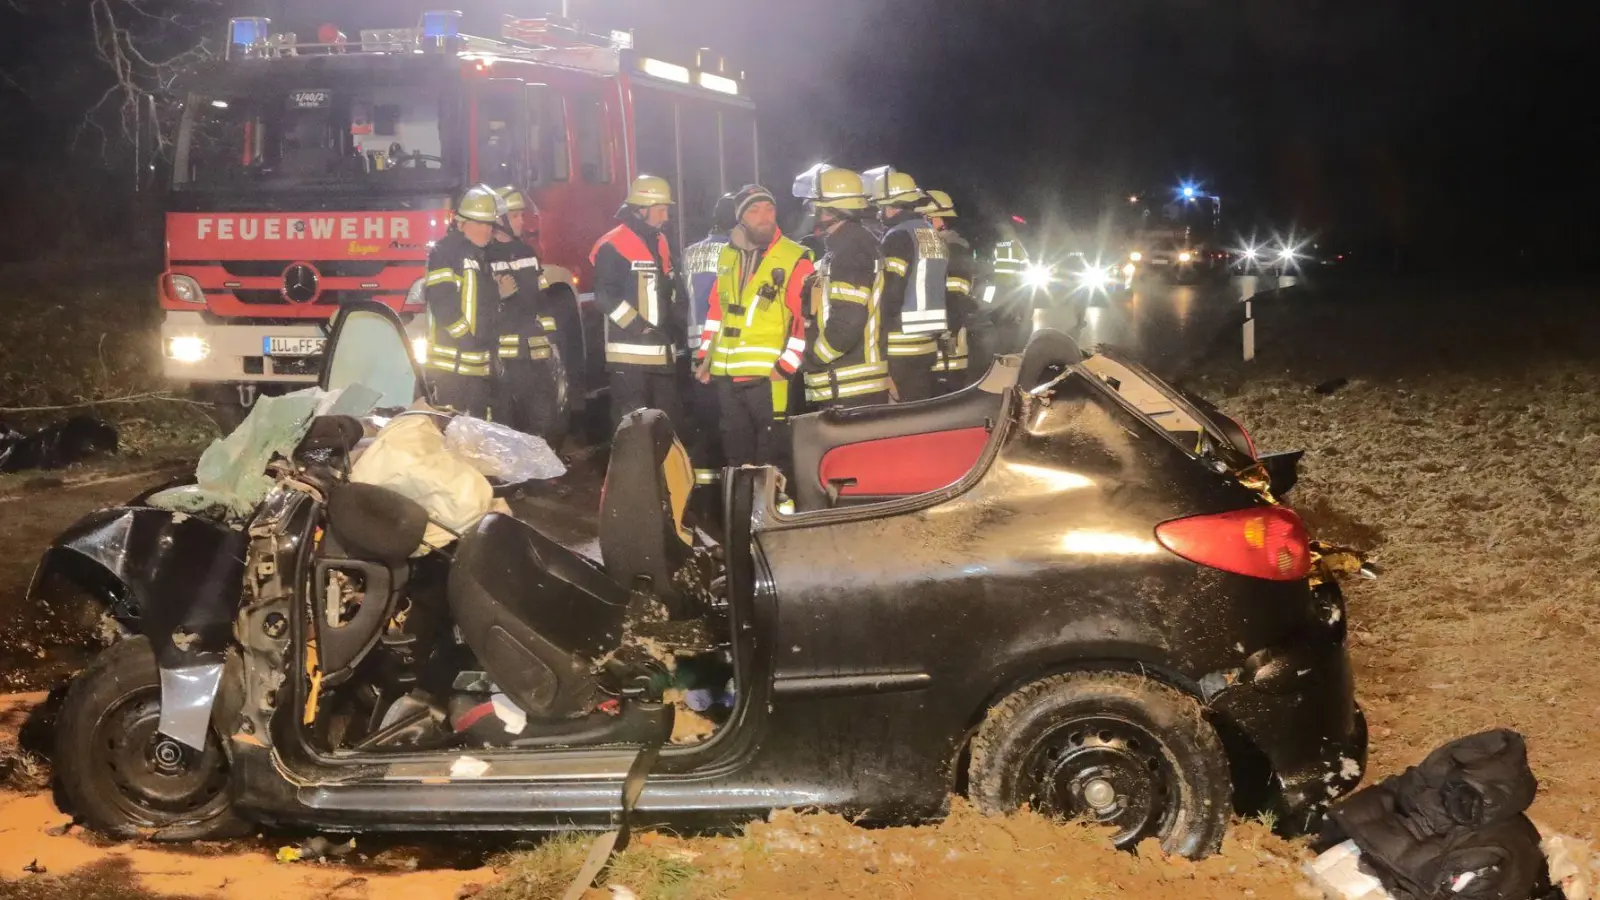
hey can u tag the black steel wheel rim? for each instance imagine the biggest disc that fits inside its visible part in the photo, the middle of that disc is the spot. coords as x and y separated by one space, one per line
154 780
1104 769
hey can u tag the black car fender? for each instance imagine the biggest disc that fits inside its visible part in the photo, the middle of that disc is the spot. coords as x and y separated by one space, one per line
174 578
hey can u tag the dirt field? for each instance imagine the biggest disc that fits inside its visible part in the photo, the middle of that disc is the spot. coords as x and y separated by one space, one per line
1455 435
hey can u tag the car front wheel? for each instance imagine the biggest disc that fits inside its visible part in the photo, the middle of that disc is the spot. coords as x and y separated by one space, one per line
1116 749
119 774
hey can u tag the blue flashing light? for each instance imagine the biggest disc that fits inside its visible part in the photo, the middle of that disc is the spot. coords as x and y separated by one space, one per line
1188 191
441 24
248 32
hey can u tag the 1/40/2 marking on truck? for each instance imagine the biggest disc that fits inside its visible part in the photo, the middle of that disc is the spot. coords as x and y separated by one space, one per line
292 346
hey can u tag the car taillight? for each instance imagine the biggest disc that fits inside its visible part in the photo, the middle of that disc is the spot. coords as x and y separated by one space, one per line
1267 542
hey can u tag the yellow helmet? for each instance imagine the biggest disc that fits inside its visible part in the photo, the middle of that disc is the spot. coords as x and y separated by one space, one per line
888 187
481 204
516 201
938 206
649 190
827 187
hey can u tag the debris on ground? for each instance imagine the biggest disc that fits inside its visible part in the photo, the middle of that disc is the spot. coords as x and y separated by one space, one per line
315 849
56 446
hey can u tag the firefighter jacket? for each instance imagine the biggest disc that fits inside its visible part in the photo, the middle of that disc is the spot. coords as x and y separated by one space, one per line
757 321
524 327
700 261
960 306
1003 298
846 356
915 265
462 303
633 286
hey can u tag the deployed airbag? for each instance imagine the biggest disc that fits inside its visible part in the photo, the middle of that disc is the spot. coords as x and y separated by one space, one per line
409 457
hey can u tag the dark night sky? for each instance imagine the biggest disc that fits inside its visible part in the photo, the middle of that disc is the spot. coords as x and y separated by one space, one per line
1429 123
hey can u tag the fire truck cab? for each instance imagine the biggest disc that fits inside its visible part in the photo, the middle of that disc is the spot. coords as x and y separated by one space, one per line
308 175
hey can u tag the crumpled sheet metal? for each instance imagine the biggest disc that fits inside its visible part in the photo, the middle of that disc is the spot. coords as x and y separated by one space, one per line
497 451
232 471
186 698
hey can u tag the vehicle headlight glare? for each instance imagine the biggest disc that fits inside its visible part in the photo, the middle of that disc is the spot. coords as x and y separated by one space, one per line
419 350
1136 256
1185 256
1039 276
188 349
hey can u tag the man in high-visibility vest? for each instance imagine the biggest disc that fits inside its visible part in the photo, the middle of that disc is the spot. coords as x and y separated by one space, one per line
635 288
704 442
844 363
463 301
754 338
526 396
1003 317
950 369
915 264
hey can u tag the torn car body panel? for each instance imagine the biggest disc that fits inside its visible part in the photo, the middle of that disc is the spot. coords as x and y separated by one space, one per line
169 576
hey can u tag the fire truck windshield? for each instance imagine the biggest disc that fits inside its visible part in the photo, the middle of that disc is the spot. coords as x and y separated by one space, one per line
367 138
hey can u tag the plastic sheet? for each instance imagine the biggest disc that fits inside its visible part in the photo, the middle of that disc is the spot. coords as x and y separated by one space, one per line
496 451
1339 876
186 698
409 457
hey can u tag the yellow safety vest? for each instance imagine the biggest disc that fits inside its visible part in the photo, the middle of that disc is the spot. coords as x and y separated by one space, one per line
754 330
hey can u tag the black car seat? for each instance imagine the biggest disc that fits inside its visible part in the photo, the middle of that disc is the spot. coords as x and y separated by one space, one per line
537 616
644 542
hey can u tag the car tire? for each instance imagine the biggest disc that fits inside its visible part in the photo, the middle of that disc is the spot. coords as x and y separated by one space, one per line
118 775
1119 749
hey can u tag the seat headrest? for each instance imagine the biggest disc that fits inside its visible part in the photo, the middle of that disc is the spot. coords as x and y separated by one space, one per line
375 523
1049 352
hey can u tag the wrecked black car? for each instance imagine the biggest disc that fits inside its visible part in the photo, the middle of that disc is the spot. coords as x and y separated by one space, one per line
1069 586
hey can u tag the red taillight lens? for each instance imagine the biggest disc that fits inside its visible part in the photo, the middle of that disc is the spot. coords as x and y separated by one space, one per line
1267 542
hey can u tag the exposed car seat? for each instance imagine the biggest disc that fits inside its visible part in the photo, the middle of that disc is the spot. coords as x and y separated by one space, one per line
643 538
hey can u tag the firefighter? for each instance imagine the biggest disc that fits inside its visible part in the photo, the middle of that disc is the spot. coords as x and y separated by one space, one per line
634 287
845 363
950 368
700 261
462 303
526 393
915 266
754 337
1002 313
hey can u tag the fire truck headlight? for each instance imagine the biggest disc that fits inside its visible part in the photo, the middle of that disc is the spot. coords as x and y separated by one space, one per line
184 288
414 296
1096 278
1136 256
1185 256
188 349
1039 276
419 350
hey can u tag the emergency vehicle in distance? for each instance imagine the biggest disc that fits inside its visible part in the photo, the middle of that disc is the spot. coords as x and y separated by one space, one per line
308 175
1177 237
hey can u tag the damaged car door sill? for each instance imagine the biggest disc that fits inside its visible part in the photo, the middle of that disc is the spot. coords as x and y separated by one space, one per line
852 685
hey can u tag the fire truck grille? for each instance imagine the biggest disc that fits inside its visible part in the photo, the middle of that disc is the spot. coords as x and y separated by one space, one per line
327 268
326 298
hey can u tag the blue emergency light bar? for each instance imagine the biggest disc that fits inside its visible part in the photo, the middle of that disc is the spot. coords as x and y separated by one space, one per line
441 23
248 34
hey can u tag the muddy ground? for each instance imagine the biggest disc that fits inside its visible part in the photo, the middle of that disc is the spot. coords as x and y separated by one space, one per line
1453 430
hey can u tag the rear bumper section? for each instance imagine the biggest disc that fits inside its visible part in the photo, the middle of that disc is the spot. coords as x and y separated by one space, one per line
234 352
1306 722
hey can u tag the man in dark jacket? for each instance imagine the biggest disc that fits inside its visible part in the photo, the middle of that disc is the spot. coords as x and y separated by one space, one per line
635 288
950 370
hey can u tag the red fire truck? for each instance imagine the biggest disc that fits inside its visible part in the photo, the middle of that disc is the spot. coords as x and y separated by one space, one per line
309 174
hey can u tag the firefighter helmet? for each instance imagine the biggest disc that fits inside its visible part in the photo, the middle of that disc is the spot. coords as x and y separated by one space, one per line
516 201
938 206
827 187
889 187
649 190
481 204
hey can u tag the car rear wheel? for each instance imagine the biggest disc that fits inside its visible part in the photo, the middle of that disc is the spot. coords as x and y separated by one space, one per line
119 774
1116 749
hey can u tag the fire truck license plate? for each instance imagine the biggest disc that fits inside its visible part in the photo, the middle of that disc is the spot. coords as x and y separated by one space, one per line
292 346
